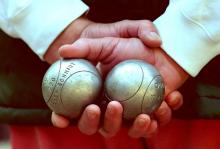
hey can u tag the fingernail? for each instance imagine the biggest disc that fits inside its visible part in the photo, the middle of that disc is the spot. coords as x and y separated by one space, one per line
111 111
153 36
91 115
112 108
141 122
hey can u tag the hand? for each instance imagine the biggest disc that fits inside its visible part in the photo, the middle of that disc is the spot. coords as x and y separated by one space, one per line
83 27
110 51
142 29
90 119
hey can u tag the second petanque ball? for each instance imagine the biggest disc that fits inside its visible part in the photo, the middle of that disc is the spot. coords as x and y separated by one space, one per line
137 85
69 85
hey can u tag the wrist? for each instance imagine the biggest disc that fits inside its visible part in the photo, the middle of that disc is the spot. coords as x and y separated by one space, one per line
173 74
71 33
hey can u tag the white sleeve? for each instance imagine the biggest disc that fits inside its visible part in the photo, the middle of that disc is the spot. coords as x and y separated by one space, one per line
38 22
190 32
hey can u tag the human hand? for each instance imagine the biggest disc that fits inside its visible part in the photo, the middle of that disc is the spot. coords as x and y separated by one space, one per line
82 27
110 51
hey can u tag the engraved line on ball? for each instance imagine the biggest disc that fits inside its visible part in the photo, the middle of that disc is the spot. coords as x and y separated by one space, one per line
142 80
146 91
55 82
71 76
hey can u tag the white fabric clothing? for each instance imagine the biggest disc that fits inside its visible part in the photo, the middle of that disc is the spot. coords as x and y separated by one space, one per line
190 32
38 22
190 29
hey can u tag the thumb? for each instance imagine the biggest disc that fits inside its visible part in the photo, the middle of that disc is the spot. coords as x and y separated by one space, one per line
98 49
143 29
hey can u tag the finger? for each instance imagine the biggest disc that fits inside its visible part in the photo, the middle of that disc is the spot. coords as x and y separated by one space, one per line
152 129
91 49
140 126
163 113
143 29
89 121
174 100
59 121
112 119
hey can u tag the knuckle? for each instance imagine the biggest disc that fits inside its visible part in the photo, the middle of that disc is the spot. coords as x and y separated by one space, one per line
82 40
126 21
162 111
134 40
146 23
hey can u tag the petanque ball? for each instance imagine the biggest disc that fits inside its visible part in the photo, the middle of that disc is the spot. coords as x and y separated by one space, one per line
69 85
137 85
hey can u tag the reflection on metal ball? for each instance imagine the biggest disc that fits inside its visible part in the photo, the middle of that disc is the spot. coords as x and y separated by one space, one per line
69 85
137 85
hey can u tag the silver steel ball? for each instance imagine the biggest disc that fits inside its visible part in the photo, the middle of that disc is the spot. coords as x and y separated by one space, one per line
69 85
137 85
